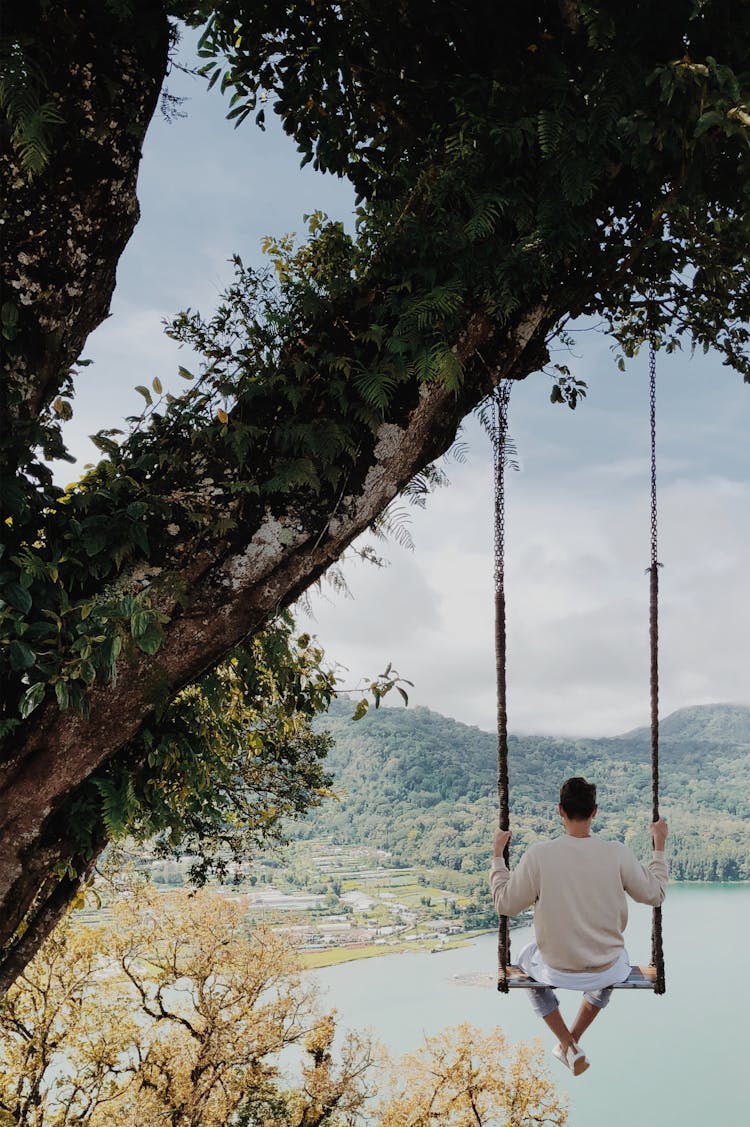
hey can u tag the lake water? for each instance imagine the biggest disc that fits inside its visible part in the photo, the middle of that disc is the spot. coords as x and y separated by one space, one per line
679 1060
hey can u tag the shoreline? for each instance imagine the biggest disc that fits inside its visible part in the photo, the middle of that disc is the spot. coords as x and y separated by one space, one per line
336 956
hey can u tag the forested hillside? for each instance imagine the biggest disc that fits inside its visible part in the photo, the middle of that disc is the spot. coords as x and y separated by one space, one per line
423 787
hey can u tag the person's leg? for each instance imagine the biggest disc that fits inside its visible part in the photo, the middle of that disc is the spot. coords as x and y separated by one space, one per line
593 1003
545 1005
584 1017
555 1022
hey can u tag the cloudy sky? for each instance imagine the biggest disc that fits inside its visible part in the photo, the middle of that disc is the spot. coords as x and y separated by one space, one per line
578 535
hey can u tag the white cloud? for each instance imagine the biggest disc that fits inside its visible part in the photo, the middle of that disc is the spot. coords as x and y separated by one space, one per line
577 550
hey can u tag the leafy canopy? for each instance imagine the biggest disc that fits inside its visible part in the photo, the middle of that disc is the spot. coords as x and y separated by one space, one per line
221 765
531 144
582 155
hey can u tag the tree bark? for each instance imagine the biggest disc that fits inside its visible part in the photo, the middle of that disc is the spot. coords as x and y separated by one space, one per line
64 229
67 226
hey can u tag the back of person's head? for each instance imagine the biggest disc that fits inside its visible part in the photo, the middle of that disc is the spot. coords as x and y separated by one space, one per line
578 798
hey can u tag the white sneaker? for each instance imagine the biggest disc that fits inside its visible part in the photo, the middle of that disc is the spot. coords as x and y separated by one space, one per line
574 1058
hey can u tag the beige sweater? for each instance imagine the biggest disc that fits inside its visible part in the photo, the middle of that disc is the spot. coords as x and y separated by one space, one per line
578 887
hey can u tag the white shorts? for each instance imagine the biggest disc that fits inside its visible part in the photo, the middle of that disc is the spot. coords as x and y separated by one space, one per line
531 963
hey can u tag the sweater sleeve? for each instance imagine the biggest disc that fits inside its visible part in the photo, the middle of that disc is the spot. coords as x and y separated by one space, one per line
513 892
645 883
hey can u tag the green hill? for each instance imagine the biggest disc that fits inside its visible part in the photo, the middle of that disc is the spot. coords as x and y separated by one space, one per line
423 787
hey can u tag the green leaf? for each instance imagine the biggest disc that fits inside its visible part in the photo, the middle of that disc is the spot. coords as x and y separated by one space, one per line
21 656
94 540
9 320
87 673
32 698
9 314
151 639
106 445
17 597
139 537
62 694
12 497
63 408
707 121
157 385
145 393
109 653
361 709
140 623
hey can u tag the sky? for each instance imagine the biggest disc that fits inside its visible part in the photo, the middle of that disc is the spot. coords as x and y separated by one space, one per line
578 508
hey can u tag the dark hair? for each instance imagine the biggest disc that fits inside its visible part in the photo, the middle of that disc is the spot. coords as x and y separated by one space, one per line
578 798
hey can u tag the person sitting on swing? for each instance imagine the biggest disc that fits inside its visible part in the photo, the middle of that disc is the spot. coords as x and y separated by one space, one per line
577 883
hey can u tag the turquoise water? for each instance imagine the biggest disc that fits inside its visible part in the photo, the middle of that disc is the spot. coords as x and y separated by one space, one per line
681 1060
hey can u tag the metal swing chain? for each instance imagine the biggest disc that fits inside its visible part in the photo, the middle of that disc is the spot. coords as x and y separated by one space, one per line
500 400
657 947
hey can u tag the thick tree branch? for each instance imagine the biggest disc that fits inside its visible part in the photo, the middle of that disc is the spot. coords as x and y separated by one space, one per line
234 595
52 901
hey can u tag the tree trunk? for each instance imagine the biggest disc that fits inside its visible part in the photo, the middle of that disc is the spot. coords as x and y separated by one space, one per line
64 230
67 225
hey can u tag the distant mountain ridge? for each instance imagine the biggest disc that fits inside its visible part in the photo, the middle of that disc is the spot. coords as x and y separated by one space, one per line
423 786
712 723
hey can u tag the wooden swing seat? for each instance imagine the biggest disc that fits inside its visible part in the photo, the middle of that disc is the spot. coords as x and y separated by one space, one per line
640 978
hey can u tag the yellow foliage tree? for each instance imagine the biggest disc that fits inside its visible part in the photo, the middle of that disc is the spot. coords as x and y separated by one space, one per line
66 1034
466 1078
174 1013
